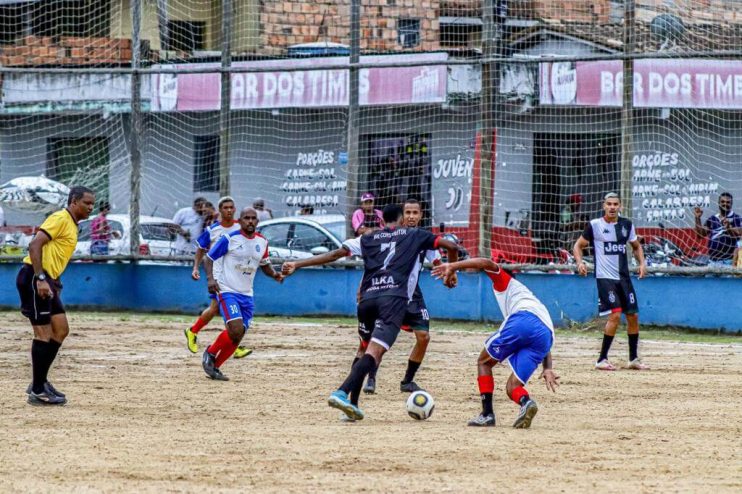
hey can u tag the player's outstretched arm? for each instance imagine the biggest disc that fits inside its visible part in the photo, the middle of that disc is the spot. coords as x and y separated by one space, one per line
326 258
269 271
549 376
447 271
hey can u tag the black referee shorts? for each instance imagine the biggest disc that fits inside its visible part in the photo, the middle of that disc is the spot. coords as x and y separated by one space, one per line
38 310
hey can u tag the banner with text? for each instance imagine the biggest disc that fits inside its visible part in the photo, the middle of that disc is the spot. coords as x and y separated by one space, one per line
658 83
292 88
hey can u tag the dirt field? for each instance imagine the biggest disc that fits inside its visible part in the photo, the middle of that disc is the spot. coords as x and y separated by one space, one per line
142 417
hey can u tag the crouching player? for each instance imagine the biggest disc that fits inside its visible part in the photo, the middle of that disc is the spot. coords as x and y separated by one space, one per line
523 341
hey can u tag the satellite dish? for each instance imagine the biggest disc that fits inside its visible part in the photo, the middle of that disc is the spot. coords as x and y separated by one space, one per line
669 28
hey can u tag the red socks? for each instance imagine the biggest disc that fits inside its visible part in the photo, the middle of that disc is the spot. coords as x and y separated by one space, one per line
486 384
200 323
223 348
518 393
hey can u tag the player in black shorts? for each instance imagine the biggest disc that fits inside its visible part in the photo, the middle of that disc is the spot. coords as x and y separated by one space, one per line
390 257
40 290
609 236
417 319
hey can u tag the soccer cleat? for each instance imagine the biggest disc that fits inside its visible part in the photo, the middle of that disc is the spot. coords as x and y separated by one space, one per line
482 420
191 340
409 387
47 388
370 387
218 376
45 398
208 364
339 399
242 352
636 364
605 365
527 411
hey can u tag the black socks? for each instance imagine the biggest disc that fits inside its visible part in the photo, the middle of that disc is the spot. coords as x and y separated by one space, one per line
43 354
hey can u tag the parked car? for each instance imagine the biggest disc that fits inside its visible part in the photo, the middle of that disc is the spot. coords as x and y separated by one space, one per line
300 237
157 236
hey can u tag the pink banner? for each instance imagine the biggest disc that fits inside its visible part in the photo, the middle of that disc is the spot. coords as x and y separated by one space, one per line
658 83
304 88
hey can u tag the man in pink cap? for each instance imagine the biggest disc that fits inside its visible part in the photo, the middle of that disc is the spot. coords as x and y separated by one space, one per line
367 219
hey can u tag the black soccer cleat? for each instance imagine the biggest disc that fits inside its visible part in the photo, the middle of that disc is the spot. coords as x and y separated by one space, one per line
208 363
45 398
370 387
409 387
47 388
483 420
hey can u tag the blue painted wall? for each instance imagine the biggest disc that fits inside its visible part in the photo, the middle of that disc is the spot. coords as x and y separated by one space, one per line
706 303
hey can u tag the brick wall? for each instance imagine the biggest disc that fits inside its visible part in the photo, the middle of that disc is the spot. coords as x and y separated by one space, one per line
288 22
66 50
583 11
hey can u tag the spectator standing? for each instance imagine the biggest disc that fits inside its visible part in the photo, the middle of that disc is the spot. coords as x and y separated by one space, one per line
263 212
190 226
722 229
367 218
101 231
209 215
737 261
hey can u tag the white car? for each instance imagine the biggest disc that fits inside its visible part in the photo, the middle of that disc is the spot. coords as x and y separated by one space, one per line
157 236
300 237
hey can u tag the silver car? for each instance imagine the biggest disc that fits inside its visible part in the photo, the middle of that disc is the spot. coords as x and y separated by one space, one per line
157 236
300 237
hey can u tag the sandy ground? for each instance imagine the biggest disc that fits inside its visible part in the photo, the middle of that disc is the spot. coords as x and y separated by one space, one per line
142 417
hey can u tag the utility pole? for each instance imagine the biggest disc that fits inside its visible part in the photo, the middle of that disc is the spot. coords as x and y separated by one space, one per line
226 98
627 108
491 47
135 127
354 166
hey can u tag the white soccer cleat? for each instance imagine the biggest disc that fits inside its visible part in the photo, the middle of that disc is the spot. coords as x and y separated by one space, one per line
605 365
636 364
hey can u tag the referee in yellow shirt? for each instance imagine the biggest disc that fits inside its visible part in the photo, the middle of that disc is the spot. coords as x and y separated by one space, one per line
40 289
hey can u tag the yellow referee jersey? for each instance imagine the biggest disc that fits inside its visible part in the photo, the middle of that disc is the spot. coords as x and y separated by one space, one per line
56 253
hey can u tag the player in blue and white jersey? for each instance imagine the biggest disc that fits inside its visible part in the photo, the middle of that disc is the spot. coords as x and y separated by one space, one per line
226 224
609 236
240 253
524 341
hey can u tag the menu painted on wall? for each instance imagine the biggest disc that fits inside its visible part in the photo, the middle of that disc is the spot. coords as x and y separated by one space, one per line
664 188
315 179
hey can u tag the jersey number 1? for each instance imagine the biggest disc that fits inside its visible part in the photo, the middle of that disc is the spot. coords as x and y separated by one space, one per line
392 248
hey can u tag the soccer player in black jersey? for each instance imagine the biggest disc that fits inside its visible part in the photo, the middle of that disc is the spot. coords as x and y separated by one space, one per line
391 258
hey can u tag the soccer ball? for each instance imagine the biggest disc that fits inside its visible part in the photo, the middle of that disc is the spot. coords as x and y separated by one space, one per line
420 405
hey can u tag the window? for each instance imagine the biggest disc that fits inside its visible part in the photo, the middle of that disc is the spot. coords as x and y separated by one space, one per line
206 164
71 18
80 161
460 35
307 238
408 34
158 231
185 36
276 235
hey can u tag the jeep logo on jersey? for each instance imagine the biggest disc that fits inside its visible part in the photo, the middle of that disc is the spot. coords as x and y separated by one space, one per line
382 280
614 248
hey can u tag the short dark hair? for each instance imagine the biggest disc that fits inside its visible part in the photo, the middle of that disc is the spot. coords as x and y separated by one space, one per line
392 213
208 204
726 194
412 200
77 192
104 205
199 200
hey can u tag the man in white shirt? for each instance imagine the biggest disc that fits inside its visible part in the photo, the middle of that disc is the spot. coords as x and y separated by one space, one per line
242 253
191 222
524 341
